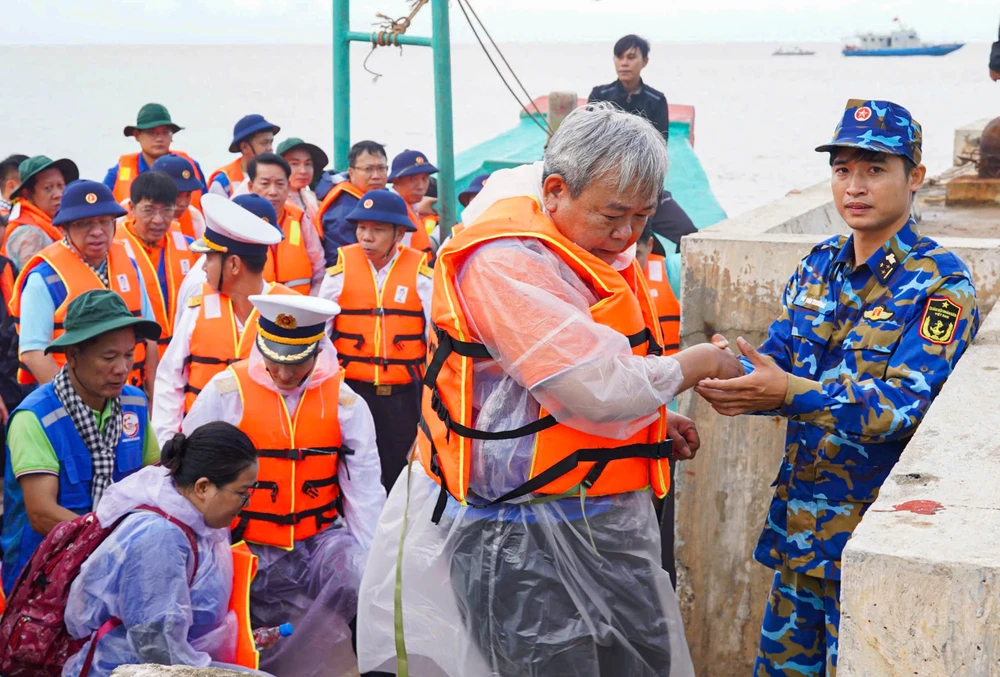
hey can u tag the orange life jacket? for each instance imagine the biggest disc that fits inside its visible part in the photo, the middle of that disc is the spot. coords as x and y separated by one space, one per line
565 460
30 215
6 280
78 278
215 343
333 194
192 223
380 338
233 172
178 262
419 239
297 491
668 310
244 570
128 169
288 262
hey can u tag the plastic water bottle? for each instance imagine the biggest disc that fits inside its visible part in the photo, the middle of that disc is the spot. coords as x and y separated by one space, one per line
265 638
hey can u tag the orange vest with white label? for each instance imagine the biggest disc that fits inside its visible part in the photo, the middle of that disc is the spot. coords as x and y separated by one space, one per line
128 170
565 460
668 310
288 262
215 342
179 260
78 278
30 215
380 337
297 491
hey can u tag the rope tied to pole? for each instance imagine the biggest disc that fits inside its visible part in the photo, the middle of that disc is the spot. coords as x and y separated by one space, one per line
390 31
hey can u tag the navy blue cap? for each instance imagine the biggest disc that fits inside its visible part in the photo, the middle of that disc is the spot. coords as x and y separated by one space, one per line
409 163
259 207
382 206
248 126
181 171
83 199
475 187
880 126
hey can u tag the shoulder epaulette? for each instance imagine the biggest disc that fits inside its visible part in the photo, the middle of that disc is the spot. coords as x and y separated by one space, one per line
426 271
194 301
335 270
226 383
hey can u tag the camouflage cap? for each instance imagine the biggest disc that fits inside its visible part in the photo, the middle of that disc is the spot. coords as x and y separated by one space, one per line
880 126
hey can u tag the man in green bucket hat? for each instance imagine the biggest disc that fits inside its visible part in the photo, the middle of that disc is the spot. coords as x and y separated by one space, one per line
72 437
154 130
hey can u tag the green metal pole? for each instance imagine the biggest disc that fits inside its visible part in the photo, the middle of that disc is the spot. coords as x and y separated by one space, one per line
341 83
441 40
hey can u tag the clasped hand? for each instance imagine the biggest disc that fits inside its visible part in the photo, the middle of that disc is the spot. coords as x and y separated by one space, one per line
763 389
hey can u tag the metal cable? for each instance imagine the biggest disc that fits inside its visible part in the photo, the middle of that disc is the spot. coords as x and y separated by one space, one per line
537 119
506 63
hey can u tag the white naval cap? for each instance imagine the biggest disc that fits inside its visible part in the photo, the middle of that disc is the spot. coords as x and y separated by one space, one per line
231 229
291 326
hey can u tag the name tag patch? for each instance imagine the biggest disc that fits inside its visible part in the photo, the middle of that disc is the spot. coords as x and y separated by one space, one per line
656 273
180 242
123 284
401 294
185 266
212 306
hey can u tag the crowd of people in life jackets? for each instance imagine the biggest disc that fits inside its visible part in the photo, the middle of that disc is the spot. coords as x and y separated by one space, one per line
268 420
202 360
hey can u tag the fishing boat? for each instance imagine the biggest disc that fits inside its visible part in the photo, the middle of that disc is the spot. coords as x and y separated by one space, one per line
524 143
794 51
902 41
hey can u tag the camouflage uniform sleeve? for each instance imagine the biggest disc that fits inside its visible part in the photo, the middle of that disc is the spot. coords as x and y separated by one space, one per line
778 344
869 410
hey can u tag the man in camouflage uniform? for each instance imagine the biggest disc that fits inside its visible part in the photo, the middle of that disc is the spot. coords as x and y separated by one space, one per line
871 326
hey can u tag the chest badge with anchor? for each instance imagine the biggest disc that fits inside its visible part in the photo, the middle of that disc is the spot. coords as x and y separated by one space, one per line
940 320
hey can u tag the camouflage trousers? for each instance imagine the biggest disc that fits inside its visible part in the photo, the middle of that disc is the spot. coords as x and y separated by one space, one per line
799 634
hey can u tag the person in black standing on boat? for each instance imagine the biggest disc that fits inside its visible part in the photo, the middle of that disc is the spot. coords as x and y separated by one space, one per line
632 95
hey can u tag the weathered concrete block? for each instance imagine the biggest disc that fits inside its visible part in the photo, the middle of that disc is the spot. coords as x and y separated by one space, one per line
921 576
171 671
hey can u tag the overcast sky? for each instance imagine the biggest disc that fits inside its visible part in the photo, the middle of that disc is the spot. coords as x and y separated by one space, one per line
308 21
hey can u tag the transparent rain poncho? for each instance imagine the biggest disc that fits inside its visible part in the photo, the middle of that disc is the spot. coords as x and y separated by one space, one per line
564 588
140 574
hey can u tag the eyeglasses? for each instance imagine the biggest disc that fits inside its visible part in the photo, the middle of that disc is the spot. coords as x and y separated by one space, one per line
160 131
245 496
149 212
373 169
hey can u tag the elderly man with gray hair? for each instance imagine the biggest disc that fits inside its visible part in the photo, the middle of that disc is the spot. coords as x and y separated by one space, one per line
523 539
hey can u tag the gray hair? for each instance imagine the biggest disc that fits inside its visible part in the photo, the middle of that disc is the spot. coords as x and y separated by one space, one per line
600 140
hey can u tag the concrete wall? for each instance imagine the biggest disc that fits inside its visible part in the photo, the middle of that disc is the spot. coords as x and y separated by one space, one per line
734 273
921 592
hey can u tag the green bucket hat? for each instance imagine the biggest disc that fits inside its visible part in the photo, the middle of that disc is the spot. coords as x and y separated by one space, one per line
152 115
39 163
97 312
319 158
